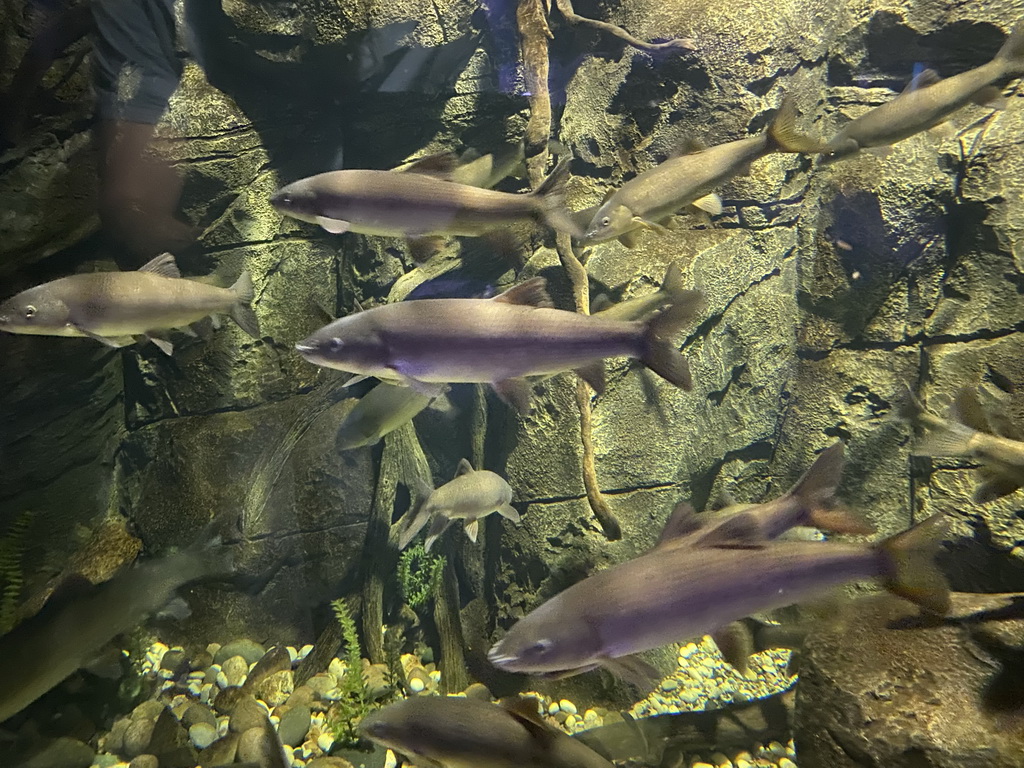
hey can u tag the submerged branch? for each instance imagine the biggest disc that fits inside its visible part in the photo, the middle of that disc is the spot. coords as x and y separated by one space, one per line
534 34
681 43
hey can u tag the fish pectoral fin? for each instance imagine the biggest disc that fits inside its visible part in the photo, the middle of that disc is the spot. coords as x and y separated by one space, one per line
356 379
633 670
944 130
473 529
651 225
600 303
710 203
163 265
593 374
736 644
425 388
437 527
162 344
994 487
991 96
682 522
880 152
629 239
922 79
464 468
530 293
115 342
516 393
967 409
106 663
176 608
524 709
423 249
509 513
334 226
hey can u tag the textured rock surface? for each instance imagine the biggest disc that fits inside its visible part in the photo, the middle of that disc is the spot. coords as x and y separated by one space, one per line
885 688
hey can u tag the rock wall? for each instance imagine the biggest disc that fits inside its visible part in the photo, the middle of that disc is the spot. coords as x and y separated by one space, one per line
829 289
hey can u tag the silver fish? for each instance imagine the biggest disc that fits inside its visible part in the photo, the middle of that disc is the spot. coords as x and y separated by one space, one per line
453 732
499 341
928 101
80 618
383 409
969 433
672 291
419 205
678 592
470 496
649 200
115 307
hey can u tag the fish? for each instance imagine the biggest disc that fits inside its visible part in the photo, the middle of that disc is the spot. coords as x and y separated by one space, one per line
671 291
498 341
471 167
676 592
470 496
80 618
116 307
928 101
649 200
383 409
810 503
419 205
456 732
970 433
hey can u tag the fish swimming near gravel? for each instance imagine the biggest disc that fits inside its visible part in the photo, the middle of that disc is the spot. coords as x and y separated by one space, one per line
649 200
929 101
971 433
80 618
676 592
418 205
498 341
116 308
383 409
470 496
672 291
455 732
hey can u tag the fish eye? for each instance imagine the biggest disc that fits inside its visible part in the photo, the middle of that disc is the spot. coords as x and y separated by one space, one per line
285 198
30 312
606 221
540 648
336 344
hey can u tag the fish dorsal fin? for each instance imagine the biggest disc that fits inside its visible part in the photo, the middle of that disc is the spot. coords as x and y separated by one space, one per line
524 709
163 265
688 146
967 409
440 164
464 468
922 79
532 293
682 522
741 531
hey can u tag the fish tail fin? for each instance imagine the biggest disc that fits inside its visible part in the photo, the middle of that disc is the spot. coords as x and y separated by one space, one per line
1012 52
941 437
418 515
551 198
911 571
783 135
672 284
660 353
242 311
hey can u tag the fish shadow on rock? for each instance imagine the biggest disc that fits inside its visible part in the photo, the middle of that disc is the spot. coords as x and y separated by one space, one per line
977 564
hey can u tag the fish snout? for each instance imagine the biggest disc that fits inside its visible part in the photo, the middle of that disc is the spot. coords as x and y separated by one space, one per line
305 348
498 658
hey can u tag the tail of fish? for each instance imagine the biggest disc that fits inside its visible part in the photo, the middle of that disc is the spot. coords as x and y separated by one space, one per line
1011 55
910 569
815 492
660 353
783 135
242 312
550 196
418 515
941 437
672 284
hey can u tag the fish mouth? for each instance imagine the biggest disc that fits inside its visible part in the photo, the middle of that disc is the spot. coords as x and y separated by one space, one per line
500 659
305 348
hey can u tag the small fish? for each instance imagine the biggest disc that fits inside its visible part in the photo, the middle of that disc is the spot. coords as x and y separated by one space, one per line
810 503
498 341
676 592
383 409
80 618
671 291
419 205
649 200
970 433
929 101
469 496
454 732
115 307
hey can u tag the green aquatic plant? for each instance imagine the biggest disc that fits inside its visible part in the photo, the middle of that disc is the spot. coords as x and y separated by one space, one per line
354 702
417 574
12 548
